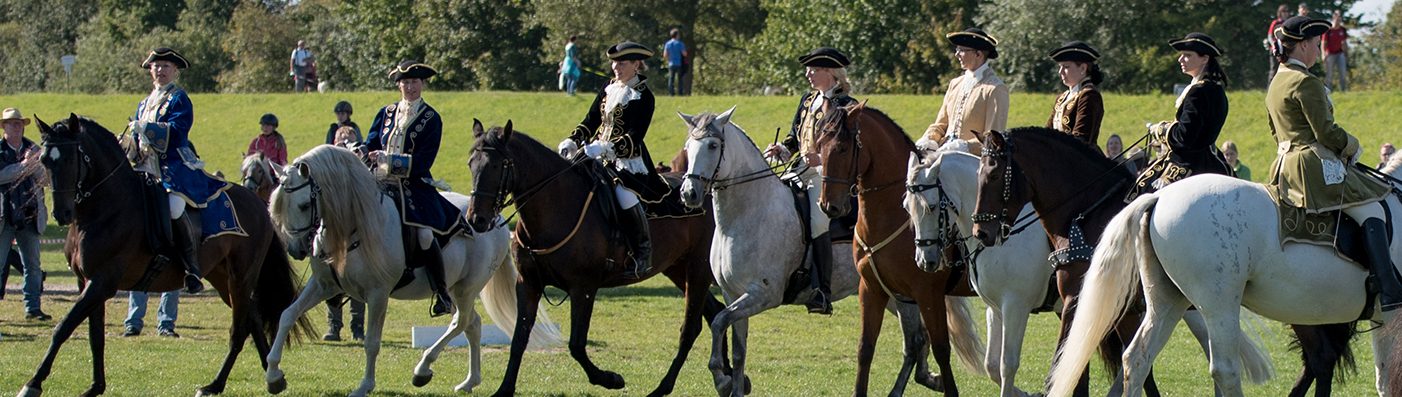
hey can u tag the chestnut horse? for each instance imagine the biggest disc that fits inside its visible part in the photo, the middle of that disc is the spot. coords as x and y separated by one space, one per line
97 193
562 240
864 154
259 175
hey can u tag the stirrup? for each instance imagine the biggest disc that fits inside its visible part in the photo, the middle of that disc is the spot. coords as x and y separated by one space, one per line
638 271
193 285
819 303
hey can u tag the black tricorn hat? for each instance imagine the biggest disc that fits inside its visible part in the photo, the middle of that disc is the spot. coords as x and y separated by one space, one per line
1075 51
977 39
825 57
1197 42
165 54
1300 28
629 51
411 70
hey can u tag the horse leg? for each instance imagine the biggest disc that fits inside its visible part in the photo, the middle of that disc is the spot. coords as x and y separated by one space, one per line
462 319
97 343
1125 331
473 329
91 300
1193 319
376 304
934 311
696 289
581 310
872 303
1068 284
243 325
992 358
1013 332
315 293
914 348
527 303
740 331
1383 346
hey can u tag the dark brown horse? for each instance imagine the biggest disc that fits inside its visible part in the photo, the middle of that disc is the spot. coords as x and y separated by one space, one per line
864 154
1071 184
562 240
95 192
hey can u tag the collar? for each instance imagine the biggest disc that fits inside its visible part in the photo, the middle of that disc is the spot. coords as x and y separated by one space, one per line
168 87
1293 61
13 147
411 106
1076 89
980 73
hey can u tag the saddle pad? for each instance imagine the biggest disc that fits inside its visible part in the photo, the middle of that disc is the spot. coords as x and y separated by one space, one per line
219 218
671 205
1329 229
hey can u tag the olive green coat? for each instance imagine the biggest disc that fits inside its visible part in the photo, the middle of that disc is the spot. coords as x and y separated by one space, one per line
1313 168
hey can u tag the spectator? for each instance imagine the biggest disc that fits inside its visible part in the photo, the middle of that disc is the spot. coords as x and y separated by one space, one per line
22 205
675 54
1133 161
1303 10
343 115
1385 154
569 67
1273 45
1229 153
269 141
1336 55
166 314
303 67
1114 146
334 317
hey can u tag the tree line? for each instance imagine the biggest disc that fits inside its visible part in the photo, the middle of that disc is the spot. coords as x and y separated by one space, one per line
737 46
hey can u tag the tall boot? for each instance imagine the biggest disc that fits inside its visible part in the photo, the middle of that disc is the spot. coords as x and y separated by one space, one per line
432 258
186 237
821 303
636 230
1380 259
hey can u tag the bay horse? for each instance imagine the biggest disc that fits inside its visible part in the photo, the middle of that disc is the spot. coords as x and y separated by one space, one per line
259 175
1213 242
864 154
1060 176
96 194
331 208
758 237
562 240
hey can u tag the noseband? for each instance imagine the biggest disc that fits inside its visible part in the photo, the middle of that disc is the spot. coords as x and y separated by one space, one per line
79 193
315 223
1005 222
947 233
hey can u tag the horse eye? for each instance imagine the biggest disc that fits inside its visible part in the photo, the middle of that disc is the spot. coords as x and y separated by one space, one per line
304 206
713 146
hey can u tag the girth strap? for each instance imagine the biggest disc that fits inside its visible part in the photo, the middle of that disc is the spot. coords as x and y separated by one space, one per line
870 252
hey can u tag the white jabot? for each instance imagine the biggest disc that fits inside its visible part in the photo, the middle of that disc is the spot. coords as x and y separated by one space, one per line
620 93
966 87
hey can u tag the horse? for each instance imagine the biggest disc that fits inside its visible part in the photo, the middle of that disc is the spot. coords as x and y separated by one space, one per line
259 175
757 238
330 207
864 154
95 192
576 255
1046 167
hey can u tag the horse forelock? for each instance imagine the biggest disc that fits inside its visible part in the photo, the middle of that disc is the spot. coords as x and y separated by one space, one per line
1393 166
702 128
349 199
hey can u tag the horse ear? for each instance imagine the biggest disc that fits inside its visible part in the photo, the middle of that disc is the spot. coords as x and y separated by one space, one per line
476 129
44 128
724 118
688 119
302 170
507 131
73 123
913 162
995 137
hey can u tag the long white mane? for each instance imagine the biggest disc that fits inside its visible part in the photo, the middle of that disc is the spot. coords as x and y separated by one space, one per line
349 202
1394 164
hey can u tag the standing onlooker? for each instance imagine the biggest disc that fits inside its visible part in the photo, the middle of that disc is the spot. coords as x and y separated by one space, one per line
1229 153
1302 10
569 67
22 206
1385 154
675 54
303 66
334 318
343 115
166 313
1273 45
269 142
1336 54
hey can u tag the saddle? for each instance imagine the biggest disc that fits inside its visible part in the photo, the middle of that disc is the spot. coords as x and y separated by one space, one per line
1330 229
157 217
839 230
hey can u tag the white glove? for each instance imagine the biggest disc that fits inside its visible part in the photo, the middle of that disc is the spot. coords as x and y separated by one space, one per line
926 144
567 148
599 149
777 153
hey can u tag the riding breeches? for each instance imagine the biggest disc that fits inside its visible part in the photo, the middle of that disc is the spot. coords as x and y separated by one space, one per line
811 178
1361 213
177 206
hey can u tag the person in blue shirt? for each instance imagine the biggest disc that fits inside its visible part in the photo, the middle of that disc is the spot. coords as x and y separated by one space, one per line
675 54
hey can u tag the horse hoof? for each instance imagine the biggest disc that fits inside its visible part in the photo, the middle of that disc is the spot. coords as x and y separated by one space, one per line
609 380
931 381
208 391
421 380
28 391
277 386
747 385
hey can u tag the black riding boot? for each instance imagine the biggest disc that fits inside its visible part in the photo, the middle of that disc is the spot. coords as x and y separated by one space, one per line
636 230
433 265
821 303
186 238
1380 259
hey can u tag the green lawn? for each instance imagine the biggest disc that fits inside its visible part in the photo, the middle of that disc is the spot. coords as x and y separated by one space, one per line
634 329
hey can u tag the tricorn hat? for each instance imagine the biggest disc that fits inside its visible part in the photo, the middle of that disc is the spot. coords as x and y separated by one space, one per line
165 54
977 39
1197 42
1300 28
1075 51
411 70
825 57
629 51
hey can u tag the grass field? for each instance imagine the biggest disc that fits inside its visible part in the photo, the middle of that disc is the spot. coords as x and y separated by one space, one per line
635 329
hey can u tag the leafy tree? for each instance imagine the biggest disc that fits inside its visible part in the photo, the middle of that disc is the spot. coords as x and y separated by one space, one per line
257 43
1377 63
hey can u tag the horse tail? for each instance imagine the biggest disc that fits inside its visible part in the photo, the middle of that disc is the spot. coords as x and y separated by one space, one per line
499 298
1110 282
962 334
278 285
1255 360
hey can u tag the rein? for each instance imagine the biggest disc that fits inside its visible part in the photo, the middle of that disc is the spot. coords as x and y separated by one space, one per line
719 184
854 184
547 251
508 173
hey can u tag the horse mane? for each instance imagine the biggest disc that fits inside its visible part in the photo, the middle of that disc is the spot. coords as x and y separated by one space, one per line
1393 165
845 134
350 196
1062 139
104 138
520 141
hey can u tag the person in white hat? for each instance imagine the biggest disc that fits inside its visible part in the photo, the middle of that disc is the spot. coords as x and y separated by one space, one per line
22 214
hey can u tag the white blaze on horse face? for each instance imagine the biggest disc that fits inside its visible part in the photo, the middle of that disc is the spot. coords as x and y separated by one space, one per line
53 154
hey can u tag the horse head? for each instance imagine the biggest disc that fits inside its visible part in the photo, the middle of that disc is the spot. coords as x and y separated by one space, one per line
1002 190
925 200
705 148
294 207
66 163
840 146
493 174
259 174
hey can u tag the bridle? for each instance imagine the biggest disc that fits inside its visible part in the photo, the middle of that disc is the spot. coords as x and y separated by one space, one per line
315 223
948 232
79 193
854 180
1005 222
507 174
712 183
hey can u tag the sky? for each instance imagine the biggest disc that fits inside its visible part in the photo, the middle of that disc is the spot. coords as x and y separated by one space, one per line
1372 10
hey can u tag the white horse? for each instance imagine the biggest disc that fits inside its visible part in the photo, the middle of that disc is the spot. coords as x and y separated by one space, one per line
329 205
1213 242
756 247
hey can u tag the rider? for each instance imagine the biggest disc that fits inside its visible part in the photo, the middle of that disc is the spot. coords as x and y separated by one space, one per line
827 74
613 133
269 141
1079 110
343 120
402 143
1313 169
977 101
161 129
1191 139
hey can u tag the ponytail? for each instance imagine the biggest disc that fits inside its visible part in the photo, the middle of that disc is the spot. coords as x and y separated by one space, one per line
1213 71
1094 75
